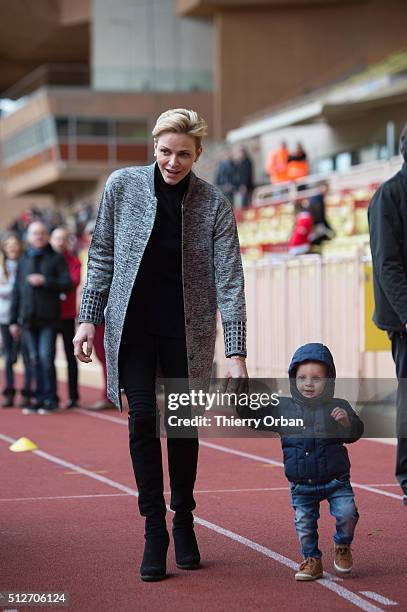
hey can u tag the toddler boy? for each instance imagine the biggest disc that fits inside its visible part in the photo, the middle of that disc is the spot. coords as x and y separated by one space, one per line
316 461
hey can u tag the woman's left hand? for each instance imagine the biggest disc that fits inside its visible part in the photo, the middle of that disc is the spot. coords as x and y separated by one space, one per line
238 372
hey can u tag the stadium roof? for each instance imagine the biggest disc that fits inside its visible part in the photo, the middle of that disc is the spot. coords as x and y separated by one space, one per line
35 32
206 8
380 85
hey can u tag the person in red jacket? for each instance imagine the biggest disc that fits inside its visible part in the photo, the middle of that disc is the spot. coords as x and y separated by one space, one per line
59 242
300 241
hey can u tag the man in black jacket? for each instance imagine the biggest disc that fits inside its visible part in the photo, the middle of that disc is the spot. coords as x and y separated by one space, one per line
388 243
244 176
42 275
225 177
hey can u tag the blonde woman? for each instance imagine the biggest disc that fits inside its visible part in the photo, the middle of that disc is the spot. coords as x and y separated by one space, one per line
164 255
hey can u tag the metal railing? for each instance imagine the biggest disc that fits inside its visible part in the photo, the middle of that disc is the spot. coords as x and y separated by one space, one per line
354 177
55 75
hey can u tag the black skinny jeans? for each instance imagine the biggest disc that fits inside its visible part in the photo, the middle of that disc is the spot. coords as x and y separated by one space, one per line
66 327
140 354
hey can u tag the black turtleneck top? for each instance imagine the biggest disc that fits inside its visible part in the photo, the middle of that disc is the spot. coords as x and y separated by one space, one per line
157 300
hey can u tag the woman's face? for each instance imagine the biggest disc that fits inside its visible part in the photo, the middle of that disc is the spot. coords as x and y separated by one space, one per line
12 248
176 153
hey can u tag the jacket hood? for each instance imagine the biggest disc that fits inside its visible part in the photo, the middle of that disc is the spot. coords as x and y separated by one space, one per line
313 351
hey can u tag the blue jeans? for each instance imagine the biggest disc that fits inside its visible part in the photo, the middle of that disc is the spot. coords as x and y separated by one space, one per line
305 499
40 343
11 350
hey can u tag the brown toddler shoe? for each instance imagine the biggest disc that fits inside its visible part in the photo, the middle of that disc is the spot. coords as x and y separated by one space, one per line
310 569
342 558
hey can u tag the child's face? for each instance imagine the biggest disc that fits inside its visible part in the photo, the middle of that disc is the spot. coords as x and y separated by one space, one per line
311 378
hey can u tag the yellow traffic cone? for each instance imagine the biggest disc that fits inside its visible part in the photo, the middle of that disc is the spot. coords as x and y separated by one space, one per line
23 444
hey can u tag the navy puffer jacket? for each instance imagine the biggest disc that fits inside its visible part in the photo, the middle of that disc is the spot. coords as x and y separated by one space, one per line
315 452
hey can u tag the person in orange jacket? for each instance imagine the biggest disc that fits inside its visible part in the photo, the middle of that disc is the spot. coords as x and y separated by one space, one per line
276 165
297 164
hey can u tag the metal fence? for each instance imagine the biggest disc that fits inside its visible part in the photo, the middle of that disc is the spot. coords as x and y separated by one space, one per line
311 298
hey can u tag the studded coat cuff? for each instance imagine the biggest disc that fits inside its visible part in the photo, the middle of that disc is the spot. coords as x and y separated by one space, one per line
92 307
235 338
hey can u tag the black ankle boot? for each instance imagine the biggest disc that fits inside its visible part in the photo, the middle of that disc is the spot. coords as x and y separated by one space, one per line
187 555
8 401
154 564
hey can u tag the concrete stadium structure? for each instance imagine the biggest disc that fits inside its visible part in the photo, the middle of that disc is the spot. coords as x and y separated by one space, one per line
88 78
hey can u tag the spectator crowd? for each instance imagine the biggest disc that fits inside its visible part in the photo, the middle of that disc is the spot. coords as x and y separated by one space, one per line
235 171
40 273
283 165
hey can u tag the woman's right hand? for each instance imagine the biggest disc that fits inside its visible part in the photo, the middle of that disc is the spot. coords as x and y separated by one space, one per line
84 333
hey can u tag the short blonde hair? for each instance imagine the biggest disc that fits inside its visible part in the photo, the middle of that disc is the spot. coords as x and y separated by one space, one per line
181 121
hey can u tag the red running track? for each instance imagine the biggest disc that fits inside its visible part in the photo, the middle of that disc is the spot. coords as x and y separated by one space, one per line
69 522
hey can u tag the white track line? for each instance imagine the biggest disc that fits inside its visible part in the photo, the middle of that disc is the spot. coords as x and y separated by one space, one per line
196 491
57 497
379 598
104 417
374 490
329 582
383 484
259 490
233 451
96 495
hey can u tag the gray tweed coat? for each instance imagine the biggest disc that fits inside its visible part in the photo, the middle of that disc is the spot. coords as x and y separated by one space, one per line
212 268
